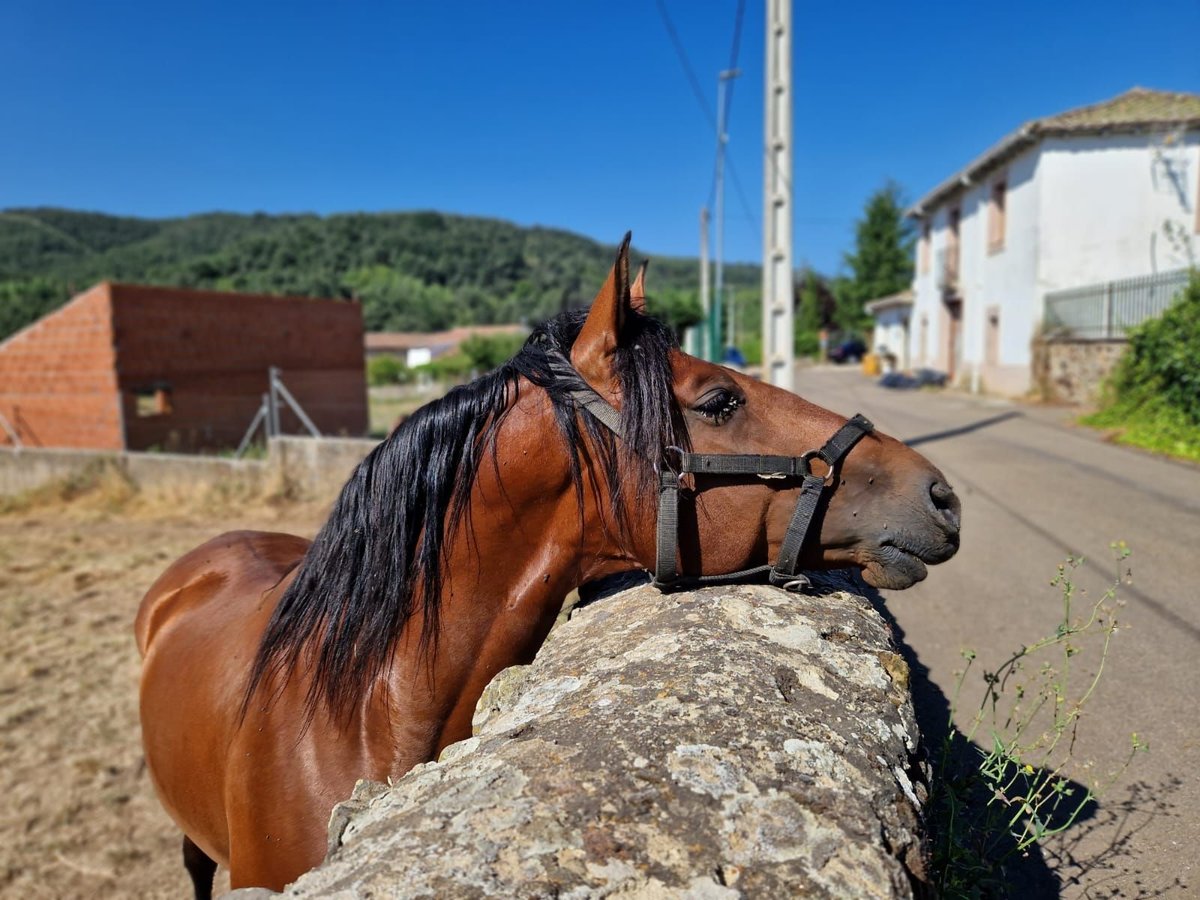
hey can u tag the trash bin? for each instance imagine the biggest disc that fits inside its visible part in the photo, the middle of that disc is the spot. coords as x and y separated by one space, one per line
870 364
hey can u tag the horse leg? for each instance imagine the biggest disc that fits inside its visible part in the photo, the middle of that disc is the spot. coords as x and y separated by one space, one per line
200 867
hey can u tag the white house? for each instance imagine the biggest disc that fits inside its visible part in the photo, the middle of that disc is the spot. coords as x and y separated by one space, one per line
1092 195
890 339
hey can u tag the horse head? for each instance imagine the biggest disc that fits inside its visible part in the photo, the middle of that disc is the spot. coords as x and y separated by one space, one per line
884 508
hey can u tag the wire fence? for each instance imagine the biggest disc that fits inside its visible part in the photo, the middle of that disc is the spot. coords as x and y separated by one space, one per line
1107 311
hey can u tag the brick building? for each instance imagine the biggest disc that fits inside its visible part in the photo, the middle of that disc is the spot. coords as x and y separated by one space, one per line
133 367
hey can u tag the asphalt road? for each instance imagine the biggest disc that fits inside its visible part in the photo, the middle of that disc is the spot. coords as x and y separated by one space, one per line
1035 489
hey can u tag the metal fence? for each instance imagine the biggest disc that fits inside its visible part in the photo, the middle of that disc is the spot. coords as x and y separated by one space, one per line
1106 311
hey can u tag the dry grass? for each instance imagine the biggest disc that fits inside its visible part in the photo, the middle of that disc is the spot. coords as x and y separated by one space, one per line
80 818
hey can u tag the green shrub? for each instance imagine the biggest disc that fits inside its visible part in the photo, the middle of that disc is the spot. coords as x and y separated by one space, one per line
487 351
387 370
1153 396
450 367
807 343
1163 359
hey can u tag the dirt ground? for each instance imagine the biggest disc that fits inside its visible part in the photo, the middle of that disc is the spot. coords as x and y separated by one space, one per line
79 817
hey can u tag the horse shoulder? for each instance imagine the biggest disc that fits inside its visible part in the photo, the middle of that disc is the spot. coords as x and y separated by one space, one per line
250 558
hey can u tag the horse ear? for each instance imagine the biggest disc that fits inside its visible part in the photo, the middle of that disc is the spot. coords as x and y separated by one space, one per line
601 333
637 291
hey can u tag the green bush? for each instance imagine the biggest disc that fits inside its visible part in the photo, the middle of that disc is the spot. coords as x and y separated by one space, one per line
1163 359
450 367
387 370
1153 397
487 351
807 343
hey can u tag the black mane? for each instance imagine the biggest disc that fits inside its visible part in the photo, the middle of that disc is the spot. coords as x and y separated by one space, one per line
383 544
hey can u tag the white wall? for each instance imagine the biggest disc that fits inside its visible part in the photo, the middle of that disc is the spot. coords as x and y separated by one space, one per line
891 332
1008 278
1104 201
419 356
927 298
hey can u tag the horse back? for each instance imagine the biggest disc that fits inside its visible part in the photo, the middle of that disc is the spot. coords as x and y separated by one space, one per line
250 562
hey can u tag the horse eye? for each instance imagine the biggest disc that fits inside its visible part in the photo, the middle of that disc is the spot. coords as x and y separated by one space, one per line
718 406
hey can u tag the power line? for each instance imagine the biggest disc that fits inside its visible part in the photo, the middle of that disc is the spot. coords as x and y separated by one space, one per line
734 49
687 66
702 100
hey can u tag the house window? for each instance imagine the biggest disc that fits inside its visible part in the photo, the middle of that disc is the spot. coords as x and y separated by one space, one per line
923 248
152 401
991 347
950 265
996 215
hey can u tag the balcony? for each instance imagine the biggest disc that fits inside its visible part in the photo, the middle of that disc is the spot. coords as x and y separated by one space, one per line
946 269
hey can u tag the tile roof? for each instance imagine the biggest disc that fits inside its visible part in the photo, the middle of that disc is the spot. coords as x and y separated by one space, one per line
891 301
384 341
1137 110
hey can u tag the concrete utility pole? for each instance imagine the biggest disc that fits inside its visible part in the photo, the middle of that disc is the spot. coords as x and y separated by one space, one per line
717 321
778 354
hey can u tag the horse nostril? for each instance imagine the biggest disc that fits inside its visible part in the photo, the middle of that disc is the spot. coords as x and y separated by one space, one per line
946 503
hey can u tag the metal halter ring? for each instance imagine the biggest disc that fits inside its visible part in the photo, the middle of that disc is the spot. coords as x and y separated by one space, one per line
676 469
810 455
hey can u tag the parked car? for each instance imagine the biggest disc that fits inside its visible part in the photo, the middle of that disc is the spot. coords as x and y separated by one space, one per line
849 351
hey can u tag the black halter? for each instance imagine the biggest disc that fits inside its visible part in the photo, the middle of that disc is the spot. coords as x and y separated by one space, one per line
678 463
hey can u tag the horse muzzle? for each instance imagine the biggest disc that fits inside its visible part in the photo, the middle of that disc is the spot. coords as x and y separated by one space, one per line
913 540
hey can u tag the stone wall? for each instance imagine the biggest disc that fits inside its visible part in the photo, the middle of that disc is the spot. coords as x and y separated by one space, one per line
1074 371
728 742
311 467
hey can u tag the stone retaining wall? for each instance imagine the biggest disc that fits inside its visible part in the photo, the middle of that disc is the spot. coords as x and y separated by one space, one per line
1074 371
723 743
317 467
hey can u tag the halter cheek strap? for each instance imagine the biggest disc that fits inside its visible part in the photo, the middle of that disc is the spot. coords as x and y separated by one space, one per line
785 573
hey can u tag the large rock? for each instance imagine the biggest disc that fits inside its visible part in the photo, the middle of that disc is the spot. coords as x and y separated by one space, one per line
728 742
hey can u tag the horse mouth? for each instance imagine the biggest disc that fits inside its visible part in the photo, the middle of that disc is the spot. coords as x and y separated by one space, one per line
895 567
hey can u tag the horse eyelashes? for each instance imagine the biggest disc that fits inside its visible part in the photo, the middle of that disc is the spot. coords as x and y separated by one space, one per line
719 409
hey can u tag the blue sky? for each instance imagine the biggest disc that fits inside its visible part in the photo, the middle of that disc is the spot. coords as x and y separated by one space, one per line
569 114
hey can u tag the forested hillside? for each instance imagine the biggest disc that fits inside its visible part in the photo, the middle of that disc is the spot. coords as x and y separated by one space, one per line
412 271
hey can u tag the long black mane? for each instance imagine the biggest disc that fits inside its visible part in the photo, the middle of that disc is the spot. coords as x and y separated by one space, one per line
382 549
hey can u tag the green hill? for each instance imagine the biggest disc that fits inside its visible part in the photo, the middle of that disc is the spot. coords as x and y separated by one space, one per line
419 271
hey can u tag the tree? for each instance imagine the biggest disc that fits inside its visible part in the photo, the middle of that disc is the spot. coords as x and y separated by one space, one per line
679 308
815 310
882 262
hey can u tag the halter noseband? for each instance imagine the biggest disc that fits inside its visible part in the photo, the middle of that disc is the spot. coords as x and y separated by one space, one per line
785 572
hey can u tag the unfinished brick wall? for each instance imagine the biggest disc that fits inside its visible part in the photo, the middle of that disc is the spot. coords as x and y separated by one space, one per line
147 367
210 351
58 384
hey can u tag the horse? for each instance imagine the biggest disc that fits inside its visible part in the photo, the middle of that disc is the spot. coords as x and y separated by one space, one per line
278 671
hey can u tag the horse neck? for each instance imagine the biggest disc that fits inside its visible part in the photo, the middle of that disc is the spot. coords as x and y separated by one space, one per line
524 543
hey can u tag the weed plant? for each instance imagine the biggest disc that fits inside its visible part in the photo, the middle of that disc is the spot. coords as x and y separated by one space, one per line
1007 781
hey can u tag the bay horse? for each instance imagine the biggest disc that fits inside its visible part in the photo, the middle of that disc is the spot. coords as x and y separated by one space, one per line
278 671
